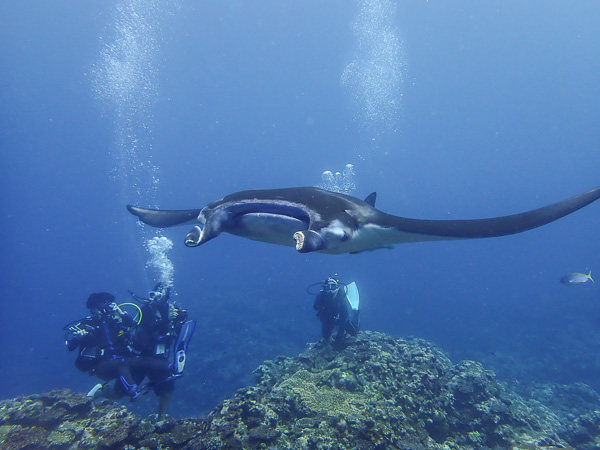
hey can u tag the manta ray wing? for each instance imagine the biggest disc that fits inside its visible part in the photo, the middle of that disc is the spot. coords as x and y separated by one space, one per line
165 218
491 227
328 222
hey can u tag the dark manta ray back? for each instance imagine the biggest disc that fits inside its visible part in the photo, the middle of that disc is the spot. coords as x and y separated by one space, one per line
315 220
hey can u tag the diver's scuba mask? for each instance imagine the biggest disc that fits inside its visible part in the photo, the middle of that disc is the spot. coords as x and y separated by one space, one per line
106 309
331 285
157 297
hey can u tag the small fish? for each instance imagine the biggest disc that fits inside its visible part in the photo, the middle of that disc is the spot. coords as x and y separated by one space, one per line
576 278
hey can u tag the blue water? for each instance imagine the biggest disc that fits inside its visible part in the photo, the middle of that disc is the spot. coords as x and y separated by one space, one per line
446 109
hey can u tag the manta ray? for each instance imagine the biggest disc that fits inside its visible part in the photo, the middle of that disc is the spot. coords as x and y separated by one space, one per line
316 220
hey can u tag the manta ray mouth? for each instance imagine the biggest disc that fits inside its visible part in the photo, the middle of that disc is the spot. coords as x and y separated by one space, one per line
193 237
299 238
309 241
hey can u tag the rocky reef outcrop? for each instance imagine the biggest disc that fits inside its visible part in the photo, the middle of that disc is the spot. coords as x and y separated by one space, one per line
378 392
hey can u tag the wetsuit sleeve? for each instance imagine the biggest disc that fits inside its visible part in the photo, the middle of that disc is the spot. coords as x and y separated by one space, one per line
318 301
75 341
72 344
128 321
182 317
80 335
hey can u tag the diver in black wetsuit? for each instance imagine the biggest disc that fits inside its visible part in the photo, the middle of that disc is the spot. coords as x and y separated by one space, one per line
103 340
332 308
160 325
154 338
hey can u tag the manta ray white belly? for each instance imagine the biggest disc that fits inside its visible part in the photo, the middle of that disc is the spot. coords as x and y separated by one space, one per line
367 238
266 227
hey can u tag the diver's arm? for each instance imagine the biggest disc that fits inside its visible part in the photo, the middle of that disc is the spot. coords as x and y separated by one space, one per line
128 321
319 300
123 317
79 334
176 315
72 344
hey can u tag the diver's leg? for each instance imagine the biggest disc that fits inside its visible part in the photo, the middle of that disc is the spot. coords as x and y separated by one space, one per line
326 328
164 400
108 391
355 321
125 383
351 326
108 370
160 376
339 337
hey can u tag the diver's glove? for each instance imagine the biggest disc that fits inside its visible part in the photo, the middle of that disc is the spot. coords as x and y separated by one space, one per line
79 332
173 312
73 337
177 315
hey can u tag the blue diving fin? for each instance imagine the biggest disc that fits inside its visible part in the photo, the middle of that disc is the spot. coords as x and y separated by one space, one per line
187 330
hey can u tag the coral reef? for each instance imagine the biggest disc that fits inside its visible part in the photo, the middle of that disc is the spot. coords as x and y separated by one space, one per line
378 392
61 419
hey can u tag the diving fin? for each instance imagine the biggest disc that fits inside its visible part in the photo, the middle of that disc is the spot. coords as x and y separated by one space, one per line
352 296
94 391
187 330
130 389
147 386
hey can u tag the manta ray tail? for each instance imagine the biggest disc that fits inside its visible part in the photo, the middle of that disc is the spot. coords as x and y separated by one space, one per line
166 218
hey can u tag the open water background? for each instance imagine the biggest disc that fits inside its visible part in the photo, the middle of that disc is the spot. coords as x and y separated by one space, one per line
459 109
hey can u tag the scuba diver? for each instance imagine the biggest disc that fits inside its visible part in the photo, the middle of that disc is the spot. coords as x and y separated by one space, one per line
163 330
116 347
104 343
160 325
337 306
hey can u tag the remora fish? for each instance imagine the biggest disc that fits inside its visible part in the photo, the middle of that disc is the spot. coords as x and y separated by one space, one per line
315 220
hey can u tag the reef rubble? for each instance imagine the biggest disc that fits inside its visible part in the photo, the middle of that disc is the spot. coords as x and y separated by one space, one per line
379 392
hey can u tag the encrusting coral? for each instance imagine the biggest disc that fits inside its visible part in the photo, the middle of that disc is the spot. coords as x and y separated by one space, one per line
378 392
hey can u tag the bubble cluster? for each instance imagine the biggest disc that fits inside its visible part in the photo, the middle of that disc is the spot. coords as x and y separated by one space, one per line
342 182
125 84
374 76
126 75
159 261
